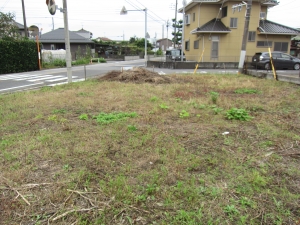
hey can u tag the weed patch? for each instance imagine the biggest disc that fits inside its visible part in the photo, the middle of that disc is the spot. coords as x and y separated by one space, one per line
106 118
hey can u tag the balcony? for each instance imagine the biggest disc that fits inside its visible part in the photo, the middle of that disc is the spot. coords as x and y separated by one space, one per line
270 3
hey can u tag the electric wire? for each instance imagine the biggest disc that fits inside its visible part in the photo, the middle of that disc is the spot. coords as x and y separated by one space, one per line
5 3
216 18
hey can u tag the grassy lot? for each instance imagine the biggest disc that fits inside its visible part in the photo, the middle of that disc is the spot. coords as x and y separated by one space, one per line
201 149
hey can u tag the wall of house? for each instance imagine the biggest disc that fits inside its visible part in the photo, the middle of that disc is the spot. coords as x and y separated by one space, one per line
229 44
73 48
163 44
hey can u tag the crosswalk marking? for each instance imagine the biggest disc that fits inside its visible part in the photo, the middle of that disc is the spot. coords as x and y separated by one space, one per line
35 77
41 78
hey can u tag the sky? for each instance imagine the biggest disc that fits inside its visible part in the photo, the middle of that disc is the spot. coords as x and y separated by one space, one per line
103 19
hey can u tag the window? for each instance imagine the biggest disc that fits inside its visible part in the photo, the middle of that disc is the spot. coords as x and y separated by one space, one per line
264 44
215 50
196 44
187 19
194 17
233 22
285 56
52 47
251 36
187 45
281 46
224 11
215 47
262 15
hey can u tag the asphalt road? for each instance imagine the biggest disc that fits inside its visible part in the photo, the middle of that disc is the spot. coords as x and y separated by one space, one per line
36 79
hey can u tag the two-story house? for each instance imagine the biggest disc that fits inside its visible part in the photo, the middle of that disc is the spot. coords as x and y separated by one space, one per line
214 29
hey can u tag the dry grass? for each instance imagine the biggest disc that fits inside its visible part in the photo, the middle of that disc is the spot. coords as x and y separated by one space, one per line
172 164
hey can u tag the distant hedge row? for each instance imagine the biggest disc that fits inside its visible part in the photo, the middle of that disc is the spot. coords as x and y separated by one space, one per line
18 56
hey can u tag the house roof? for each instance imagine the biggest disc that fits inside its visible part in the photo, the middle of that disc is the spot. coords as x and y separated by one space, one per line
193 3
269 27
58 36
103 39
162 39
213 26
20 26
83 31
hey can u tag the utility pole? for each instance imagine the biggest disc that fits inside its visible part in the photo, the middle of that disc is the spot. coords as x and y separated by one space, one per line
167 25
175 24
24 20
183 24
67 42
245 35
52 24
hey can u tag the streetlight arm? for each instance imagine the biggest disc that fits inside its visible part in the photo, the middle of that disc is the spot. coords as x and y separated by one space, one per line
124 10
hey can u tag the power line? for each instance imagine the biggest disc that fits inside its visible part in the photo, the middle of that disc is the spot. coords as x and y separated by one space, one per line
4 4
151 11
138 8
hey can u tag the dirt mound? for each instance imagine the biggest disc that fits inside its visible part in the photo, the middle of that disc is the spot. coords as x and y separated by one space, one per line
136 75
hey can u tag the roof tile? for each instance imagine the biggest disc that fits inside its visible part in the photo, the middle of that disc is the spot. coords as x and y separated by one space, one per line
269 27
213 26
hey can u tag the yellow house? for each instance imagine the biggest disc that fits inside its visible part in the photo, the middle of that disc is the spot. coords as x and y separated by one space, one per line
214 29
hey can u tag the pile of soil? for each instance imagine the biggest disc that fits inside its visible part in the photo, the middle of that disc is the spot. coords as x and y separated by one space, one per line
136 75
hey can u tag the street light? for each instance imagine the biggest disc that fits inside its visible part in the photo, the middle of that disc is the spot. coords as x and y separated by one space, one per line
124 12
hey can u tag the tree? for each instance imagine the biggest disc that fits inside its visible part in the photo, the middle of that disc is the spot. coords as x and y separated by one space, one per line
139 42
132 40
178 25
8 27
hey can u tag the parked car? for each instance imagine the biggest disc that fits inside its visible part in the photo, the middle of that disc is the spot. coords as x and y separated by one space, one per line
174 55
281 61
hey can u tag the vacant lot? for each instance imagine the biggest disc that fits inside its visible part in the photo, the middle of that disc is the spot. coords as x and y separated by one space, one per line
139 148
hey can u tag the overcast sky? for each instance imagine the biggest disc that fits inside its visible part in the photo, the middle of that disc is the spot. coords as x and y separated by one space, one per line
103 19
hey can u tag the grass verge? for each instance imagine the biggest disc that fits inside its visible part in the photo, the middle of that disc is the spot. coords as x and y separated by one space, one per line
124 153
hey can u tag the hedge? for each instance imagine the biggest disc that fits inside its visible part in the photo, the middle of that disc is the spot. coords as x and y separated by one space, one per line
18 56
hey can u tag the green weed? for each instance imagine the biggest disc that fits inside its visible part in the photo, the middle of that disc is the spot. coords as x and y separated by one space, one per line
154 99
184 114
61 111
106 118
84 116
246 91
238 114
214 96
163 106
131 128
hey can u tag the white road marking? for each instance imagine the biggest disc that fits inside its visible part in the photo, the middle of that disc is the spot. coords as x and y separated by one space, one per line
42 78
35 77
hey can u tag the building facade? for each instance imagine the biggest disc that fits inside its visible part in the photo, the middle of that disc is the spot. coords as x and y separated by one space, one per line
164 44
213 30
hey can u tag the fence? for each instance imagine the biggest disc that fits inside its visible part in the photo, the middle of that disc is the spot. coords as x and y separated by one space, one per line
51 55
231 62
